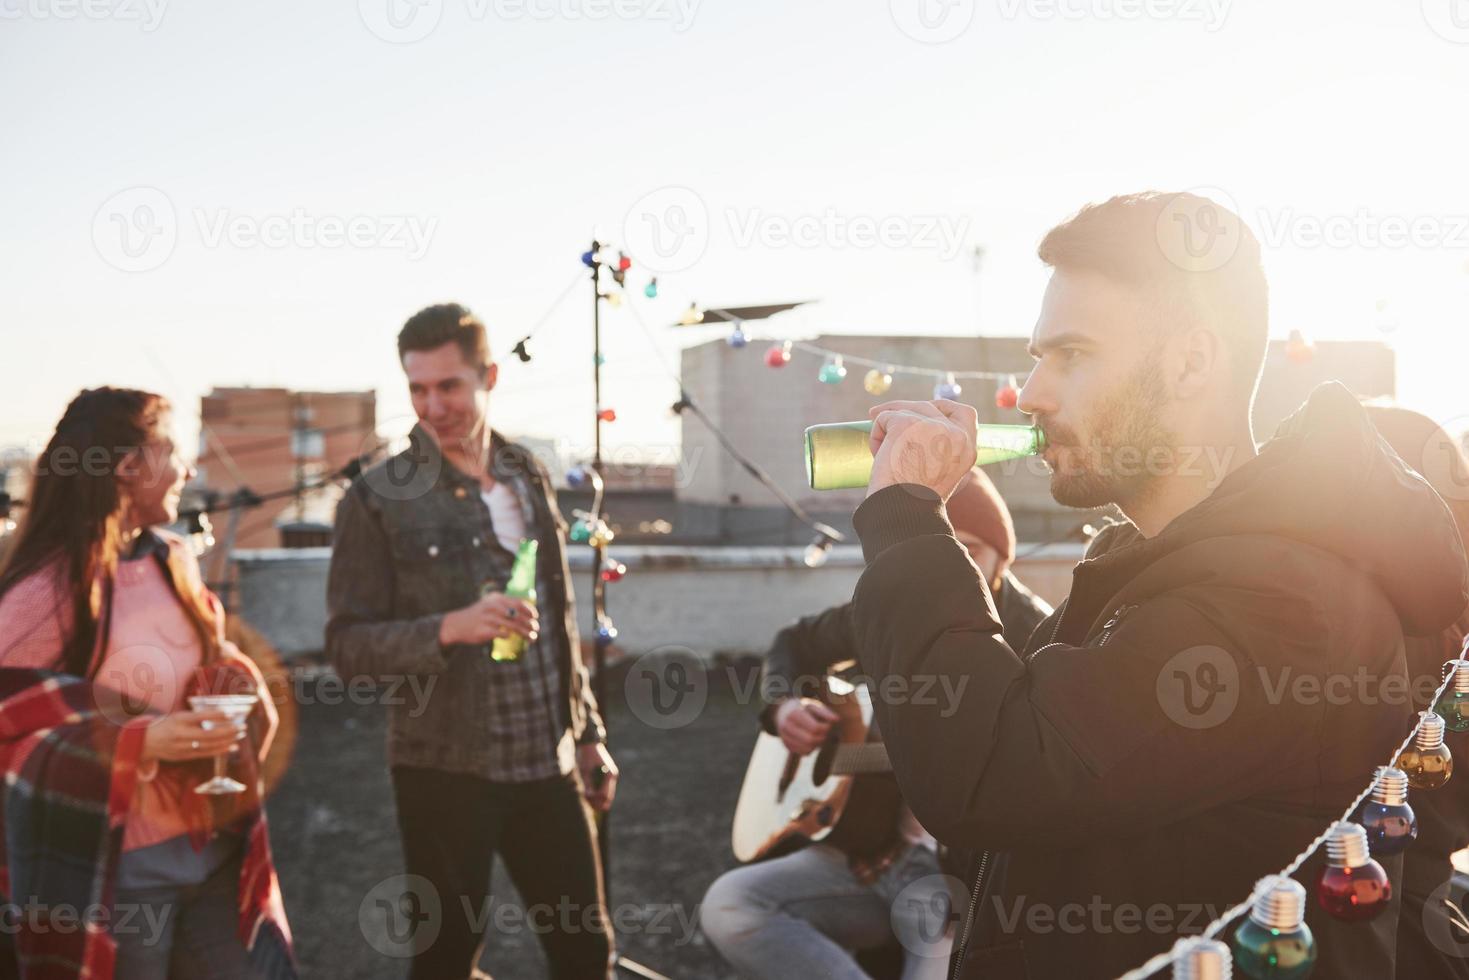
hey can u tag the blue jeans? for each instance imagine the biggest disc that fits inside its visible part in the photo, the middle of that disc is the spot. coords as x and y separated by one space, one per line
182 932
802 915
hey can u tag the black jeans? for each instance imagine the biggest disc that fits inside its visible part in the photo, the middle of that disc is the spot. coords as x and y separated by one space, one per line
452 827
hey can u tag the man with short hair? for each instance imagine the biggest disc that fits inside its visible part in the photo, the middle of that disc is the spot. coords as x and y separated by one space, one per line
1176 730
505 755
799 915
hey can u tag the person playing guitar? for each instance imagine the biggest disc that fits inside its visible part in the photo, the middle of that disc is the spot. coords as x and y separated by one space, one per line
878 871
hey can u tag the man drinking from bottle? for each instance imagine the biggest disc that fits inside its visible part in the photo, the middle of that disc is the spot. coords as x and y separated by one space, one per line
507 755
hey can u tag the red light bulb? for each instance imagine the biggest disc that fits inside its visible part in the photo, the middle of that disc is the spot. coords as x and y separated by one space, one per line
1008 395
1352 887
778 355
623 262
613 570
607 415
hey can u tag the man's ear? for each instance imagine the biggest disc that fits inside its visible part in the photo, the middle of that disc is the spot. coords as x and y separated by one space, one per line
1200 359
492 376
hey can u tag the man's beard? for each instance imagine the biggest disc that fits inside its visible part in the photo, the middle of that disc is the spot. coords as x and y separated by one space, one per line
1129 449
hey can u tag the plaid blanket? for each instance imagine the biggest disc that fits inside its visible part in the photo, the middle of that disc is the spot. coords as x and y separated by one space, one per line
70 764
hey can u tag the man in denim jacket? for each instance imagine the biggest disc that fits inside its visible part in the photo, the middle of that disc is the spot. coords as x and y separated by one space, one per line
500 756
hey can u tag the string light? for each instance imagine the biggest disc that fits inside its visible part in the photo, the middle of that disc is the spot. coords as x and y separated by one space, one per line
1353 887
1275 943
1275 968
1453 707
519 350
1196 958
878 381
607 415
818 551
1298 350
832 372
613 570
779 355
1008 394
737 338
1390 822
948 388
691 316
1428 762
651 289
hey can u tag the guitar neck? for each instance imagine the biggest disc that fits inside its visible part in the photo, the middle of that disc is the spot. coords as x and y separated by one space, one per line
855 759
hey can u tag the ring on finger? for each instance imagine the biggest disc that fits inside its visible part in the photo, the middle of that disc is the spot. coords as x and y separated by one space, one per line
194 745
206 726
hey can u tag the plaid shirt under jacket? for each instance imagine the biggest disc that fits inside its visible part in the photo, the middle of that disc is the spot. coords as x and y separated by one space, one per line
413 541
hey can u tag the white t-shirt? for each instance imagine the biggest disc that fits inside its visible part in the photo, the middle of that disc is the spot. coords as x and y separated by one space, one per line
505 515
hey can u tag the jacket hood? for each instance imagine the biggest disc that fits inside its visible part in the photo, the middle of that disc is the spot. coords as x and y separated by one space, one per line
1328 479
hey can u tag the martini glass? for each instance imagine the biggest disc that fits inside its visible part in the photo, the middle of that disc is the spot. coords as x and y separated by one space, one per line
237 707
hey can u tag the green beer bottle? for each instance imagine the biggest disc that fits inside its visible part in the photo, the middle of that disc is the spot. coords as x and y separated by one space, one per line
838 456
522 585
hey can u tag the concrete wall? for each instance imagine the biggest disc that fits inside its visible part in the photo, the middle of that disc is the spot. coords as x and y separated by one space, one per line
710 600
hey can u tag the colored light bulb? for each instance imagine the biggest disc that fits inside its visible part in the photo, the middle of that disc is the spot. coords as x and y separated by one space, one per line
614 300
737 339
651 289
601 535
1274 942
691 316
606 632
613 570
817 552
1390 822
588 259
1298 349
877 382
1352 887
577 477
1428 762
623 262
580 532
607 415
1197 958
1008 394
948 388
1453 704
832 372
779 355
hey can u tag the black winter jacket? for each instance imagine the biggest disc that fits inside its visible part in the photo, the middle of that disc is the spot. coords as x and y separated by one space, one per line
1203 704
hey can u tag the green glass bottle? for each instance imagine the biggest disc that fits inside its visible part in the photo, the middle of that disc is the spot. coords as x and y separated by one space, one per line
838 456
522 585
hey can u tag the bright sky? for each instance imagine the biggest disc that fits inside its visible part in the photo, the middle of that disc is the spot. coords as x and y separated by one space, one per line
471 147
